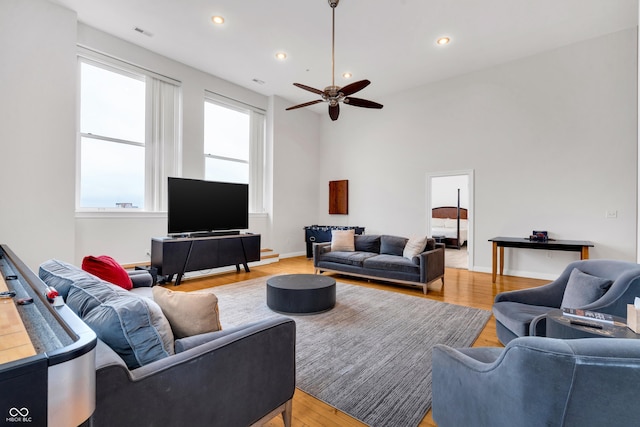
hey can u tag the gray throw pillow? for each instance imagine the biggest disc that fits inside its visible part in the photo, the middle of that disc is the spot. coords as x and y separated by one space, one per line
392 245
583 289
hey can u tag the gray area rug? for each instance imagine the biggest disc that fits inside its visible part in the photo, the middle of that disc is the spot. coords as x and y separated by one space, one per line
371 355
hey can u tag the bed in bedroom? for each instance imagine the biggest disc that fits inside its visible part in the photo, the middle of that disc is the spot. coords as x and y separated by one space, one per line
452 223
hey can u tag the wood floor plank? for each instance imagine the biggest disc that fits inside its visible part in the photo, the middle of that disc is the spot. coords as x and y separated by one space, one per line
461 287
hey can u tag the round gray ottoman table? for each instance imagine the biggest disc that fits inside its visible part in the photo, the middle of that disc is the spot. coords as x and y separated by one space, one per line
301 293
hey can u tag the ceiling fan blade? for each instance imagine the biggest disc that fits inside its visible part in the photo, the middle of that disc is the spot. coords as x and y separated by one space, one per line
306 104
334 111
354 87
309 88
357 102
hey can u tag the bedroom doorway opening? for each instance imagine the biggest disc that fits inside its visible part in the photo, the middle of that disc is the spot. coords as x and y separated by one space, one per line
450 214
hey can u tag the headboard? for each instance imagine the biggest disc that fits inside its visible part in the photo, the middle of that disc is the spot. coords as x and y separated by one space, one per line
448 212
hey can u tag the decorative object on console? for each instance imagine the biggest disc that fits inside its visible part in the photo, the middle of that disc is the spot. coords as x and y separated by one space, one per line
339 197
188 313
107 269
333 94
539 236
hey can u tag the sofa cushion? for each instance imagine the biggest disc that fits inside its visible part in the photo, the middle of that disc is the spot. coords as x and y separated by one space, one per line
517 316
583 289
107 269
392 245
415 245
61 276
391 263
367 243
348 258
188 313
133 326
342 240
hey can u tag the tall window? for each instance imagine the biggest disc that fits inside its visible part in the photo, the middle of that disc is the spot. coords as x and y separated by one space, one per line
226 143
129 136
234 138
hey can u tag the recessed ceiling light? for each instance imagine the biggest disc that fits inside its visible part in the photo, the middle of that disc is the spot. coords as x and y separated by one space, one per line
443 41
217 19
347 75
281 55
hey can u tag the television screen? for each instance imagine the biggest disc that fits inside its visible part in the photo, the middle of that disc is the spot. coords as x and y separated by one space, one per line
200 206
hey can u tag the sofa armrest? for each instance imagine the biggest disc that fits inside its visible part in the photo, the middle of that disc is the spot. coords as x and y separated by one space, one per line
549 295
235 379
186 343
319 249
432 264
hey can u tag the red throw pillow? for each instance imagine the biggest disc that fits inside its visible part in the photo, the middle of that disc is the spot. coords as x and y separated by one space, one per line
107 269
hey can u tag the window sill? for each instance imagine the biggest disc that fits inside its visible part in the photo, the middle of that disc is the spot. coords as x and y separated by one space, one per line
119 214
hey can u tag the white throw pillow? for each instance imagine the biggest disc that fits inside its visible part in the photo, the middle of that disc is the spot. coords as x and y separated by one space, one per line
343 240
415 245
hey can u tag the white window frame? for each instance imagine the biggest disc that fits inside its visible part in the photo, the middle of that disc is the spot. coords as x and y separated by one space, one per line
163 134
257 141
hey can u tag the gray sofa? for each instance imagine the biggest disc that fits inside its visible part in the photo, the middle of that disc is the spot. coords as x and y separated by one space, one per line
537 381
235 377
381 257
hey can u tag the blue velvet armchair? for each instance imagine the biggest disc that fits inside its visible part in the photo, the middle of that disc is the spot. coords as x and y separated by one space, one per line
537 381
522 313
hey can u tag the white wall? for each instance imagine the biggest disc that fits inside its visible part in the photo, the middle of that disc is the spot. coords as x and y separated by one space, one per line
295 165
444 191
37 135
552 140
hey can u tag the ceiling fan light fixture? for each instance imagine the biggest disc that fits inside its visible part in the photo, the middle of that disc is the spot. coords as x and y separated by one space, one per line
442 41
219 20
333 94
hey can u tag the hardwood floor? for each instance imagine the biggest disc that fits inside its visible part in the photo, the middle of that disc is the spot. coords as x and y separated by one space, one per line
461 287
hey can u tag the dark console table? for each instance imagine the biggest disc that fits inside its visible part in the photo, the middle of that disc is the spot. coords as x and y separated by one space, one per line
322 233
581 246
179 255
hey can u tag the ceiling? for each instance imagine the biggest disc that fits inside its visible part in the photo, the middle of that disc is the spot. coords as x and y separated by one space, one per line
391 43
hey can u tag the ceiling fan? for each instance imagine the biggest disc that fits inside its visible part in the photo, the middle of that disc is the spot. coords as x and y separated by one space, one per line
333 94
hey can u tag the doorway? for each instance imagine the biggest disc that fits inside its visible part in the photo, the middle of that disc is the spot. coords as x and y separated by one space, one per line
451 194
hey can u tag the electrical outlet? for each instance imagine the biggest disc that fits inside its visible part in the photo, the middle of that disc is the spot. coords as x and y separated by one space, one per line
611 214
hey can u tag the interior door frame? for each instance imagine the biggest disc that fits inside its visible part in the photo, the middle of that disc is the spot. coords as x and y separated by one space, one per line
471 209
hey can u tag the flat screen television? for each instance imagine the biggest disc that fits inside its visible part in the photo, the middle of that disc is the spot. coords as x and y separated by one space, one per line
195 205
